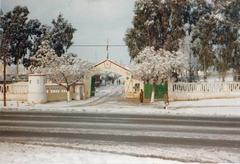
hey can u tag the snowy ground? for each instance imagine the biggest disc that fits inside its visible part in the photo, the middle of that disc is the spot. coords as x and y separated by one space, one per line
109 100
34 154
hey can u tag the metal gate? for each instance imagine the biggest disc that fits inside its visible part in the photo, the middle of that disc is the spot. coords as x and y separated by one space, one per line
93 86
160 91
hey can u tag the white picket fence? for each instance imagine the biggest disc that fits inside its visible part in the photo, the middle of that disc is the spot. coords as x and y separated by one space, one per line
203 90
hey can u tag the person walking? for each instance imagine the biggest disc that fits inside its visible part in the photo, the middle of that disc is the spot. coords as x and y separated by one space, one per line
141 96
166 100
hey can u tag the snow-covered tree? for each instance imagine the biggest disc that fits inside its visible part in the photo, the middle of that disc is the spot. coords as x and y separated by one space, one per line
216 37
65 71
165 24
61 35
156 66
45 57
156 24
192 12
232 16
202 40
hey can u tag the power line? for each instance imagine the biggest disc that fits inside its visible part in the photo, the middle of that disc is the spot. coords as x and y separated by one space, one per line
104 45
113 45
99 45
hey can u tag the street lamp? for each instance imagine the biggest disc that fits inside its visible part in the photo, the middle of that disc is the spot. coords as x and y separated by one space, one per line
4 66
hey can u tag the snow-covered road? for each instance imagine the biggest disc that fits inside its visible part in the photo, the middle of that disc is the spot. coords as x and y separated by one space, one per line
103 95
134 135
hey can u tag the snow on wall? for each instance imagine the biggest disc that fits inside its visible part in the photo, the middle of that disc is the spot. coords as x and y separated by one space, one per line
203 90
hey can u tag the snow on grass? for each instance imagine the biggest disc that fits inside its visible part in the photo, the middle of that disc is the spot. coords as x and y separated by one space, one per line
213 107
92 152
175 152
32 154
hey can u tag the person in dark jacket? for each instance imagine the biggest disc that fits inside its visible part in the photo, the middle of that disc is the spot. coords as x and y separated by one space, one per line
141 96
166 100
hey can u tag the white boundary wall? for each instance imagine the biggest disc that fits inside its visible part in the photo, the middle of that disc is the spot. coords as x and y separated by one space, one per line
203 90
55 93
19 92
15 92
176 91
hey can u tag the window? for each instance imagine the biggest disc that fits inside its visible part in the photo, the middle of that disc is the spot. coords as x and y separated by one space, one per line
136 87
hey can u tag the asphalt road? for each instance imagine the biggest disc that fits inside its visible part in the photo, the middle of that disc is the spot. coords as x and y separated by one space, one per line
132 129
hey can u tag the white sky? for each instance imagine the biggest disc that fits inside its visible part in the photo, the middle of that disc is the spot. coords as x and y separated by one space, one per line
95 21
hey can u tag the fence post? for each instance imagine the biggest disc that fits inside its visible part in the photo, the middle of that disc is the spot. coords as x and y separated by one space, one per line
170 91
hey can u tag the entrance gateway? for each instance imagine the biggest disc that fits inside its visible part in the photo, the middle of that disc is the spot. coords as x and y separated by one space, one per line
131 87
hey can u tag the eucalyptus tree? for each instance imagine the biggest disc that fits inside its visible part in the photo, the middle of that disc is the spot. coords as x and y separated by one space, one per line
216 38
21 32
61 34
156 24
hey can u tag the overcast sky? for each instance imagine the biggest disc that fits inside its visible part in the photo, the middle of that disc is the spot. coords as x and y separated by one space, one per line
96 22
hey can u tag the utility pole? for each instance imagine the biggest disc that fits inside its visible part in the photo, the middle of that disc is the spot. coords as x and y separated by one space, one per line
4 80
3 54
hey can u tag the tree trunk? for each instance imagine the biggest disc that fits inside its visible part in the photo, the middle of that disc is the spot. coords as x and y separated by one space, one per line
68 94
153 93
237 75
223 75
17 69
166 97
4 81
205 75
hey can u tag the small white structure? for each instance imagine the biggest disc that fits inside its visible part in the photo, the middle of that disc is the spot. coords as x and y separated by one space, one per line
36 89
79 91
